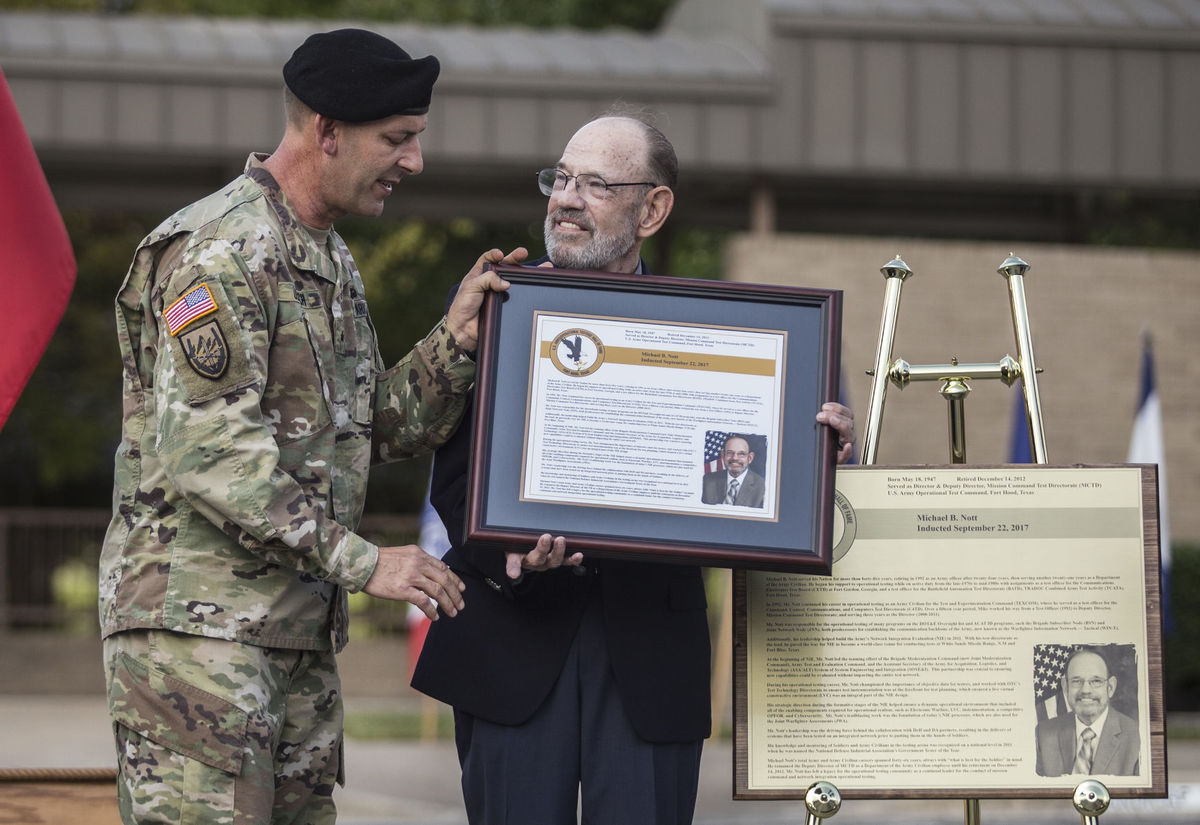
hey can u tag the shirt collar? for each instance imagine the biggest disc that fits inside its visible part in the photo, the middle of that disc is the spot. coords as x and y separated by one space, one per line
1097 724
303 249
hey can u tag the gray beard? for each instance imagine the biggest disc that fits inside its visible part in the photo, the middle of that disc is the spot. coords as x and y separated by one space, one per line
598 253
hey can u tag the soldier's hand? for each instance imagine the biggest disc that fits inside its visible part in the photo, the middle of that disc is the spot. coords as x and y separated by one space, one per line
841 418
547 554
462 317
409 574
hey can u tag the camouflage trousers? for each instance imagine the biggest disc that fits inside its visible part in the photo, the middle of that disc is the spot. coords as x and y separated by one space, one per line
222 733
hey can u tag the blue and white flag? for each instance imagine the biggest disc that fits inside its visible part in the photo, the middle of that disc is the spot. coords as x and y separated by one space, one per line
435 542
1019 449
1146 447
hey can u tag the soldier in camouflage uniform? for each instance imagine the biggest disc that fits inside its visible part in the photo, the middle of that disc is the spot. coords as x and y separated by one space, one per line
255 400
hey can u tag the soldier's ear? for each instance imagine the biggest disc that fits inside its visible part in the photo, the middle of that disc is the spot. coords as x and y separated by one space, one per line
326 131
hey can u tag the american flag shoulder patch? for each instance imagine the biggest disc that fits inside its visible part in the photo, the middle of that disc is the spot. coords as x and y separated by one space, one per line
193 304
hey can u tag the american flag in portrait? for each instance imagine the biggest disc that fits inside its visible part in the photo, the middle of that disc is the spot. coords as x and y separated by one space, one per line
1049 662
714 443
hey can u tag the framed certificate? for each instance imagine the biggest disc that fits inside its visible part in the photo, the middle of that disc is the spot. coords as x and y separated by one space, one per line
653 417
977 621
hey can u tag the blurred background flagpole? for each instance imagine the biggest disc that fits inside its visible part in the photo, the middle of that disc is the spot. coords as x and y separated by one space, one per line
1019 449
37 267
435 542
1146 447
844 400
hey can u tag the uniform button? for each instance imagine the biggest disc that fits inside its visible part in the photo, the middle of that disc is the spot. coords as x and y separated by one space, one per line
492 584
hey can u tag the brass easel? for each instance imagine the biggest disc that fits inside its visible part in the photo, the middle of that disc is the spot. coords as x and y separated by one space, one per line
1091 797
955 376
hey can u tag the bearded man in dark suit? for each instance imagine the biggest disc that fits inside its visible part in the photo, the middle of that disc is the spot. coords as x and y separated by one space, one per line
737 484
566 677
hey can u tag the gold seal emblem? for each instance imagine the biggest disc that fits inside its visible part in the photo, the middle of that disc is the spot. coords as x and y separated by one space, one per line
845 525
577 352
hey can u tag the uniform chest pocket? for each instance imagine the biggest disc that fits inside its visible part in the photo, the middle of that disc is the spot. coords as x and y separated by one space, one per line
295 402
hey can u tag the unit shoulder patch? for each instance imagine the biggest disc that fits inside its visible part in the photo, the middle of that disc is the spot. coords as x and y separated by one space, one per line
211 351
206 349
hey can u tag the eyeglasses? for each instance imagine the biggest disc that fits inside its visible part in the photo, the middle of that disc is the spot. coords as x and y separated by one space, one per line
738 454
592 187
1095 683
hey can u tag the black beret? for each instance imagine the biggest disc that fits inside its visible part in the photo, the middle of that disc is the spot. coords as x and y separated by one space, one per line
358 76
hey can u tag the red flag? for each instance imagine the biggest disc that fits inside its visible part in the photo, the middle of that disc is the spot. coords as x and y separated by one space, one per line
37 267
418 629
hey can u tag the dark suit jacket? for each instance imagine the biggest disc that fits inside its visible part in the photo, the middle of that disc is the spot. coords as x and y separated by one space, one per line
499 658
750 493
1117 747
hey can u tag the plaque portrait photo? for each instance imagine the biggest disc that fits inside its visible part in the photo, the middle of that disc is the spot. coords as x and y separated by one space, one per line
1086 700
987 631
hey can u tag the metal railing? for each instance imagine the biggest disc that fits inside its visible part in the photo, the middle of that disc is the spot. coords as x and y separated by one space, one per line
49 558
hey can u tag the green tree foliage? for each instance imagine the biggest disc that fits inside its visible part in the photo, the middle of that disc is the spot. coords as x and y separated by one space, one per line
1124 220
408 268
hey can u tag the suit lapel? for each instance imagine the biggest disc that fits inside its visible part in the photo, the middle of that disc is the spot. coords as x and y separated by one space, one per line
1066 743
1107 743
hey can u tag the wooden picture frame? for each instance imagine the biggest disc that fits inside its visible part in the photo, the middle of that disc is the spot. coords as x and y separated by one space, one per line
586 377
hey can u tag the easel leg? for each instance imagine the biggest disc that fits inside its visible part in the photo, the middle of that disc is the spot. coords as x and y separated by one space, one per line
723 650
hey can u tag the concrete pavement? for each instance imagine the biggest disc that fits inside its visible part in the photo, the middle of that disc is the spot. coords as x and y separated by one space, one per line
415 783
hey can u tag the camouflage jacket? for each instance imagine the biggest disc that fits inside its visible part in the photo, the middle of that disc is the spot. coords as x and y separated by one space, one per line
255 400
